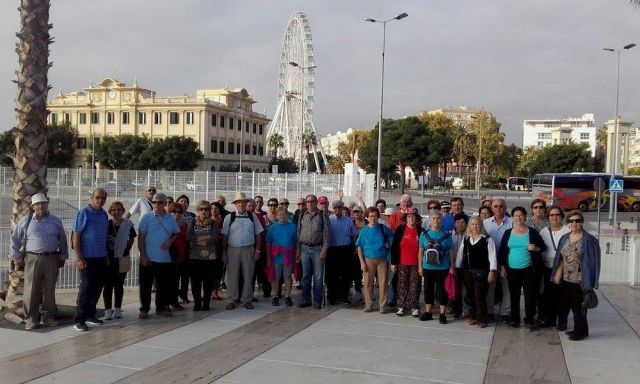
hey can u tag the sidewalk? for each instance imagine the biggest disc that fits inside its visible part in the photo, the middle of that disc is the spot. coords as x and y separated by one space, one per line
335 345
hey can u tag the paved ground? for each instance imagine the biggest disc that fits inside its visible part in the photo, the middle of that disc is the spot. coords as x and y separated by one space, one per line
335 345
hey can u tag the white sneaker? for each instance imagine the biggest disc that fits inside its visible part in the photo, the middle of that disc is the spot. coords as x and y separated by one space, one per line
415 312
117 313
108 314
400 312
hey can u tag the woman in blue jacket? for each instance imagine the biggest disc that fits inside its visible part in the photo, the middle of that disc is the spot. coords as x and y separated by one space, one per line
576 269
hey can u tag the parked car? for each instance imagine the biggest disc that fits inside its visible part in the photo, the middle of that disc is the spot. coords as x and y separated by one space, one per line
111 188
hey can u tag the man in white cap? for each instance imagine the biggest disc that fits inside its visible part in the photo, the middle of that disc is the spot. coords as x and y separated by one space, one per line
39 244
241 243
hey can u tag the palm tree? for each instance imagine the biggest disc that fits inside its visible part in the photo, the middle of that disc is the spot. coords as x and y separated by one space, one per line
349 148
30 159
274 143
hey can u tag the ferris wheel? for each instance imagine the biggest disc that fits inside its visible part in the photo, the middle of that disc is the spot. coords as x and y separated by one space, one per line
293 119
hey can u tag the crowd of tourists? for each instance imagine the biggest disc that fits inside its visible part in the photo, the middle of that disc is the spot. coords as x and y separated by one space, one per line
471 267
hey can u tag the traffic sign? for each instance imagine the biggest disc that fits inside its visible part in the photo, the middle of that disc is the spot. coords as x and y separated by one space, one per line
616 185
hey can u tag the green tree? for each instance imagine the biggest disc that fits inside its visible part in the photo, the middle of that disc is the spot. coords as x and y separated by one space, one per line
122 152
274 144
506 163
61 144
285 164
570 157
7 148
355 140
486 133
633 171
173 153
528 157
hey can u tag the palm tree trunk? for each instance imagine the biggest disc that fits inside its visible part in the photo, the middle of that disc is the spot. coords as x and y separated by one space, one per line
30 159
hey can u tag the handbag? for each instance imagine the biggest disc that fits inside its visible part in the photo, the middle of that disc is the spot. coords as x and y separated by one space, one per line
451 286
590 299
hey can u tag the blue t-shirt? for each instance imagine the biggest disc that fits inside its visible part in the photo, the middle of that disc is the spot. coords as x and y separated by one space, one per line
446 244
519 256
373 240
282 235
156 234
92 226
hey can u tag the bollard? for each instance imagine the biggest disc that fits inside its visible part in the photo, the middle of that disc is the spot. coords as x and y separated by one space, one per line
608 250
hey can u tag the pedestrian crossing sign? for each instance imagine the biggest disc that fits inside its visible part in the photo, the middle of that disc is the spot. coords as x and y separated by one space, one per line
616 185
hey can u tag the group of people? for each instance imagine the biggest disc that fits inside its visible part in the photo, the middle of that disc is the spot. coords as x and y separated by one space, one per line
488 257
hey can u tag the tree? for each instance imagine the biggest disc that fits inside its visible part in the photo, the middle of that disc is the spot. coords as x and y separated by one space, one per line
285 164
61 145
506 163
336 165
633 171
30 158
355 140
570 157
275 143
122 152
487 135
528 157
7 148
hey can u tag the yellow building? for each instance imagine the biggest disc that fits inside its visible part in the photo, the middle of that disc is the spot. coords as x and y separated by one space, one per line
221 121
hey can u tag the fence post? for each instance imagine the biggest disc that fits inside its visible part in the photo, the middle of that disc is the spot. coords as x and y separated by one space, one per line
286 184
215 184
206 189
79 184
253 183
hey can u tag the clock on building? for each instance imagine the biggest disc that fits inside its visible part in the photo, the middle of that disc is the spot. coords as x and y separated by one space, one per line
112 94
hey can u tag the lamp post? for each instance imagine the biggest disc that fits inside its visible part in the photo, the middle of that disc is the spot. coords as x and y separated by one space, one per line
384 35
613 197
480 124
303 69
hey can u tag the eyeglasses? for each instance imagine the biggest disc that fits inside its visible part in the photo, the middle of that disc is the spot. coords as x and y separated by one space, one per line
100 197
538 207
497 206
159 202
285 204
204 209
272 205
572 221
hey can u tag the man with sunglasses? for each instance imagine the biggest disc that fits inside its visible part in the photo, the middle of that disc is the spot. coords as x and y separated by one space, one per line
142 205
89 243
158 230
284 202
343 236
496 226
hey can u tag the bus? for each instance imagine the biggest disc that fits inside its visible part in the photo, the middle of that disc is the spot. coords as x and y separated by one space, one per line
518 184
575 191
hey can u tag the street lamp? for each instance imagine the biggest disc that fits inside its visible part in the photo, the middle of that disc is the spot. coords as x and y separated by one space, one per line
303 69
613 196
384 33
479 161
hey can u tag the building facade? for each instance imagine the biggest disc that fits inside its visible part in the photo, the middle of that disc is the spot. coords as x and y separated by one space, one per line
460 115
330 142
543 132
221 121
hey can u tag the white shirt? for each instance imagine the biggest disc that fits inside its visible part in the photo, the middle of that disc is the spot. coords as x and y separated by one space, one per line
551 240
491 248
141 206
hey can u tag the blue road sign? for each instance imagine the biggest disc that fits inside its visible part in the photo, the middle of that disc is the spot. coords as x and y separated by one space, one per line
616 185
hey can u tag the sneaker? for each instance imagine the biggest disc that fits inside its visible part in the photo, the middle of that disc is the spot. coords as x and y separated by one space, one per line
117 313
443 319
426 316
108 314
185 300
81 327
415 312
30 325
254 299
288 301
49 322
197 307
143 316
248 305
275 302
205 307
400 312
95 321
230 306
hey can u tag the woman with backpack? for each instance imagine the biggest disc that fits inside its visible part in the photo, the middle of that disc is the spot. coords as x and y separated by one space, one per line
373 246
436 261
404 262
477 258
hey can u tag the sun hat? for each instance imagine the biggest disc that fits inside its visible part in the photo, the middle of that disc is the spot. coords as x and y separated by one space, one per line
388 211
240 196
39 198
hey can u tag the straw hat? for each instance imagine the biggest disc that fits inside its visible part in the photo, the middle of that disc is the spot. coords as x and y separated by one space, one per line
240 196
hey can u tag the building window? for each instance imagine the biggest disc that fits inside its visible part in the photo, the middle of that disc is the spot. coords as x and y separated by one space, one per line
54 118
255 150
157 118
83 118
544 136
231 148
246 149
260 129
111 118
125 118
540 144
95 118
67 118
188 118
142 118
82 142
214 146
260 149
214 119
238 148
255 127
584 136
239 125
222 122
174 118
231 123
246 126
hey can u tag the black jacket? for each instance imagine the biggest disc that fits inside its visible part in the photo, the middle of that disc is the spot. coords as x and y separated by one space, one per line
536 257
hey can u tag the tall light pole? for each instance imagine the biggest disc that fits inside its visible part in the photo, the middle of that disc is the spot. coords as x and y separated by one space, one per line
304 70
384 35
480 125
241 138
613 197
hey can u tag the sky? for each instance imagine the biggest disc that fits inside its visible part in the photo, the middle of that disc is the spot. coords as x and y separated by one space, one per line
525 59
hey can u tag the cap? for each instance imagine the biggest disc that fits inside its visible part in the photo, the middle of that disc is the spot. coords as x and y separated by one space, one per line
39 198
445 204
357 208
323 200
388 211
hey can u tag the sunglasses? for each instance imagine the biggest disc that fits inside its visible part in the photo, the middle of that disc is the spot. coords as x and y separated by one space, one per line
204 209
571 221
286 204
299 203
538 207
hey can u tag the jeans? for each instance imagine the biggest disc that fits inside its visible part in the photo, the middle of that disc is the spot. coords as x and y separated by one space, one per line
91 283
312 268
164 275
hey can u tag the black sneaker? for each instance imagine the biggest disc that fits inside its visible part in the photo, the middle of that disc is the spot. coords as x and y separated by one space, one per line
426 316
275 302
254 299
443 319
81 327
288 301
95 321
